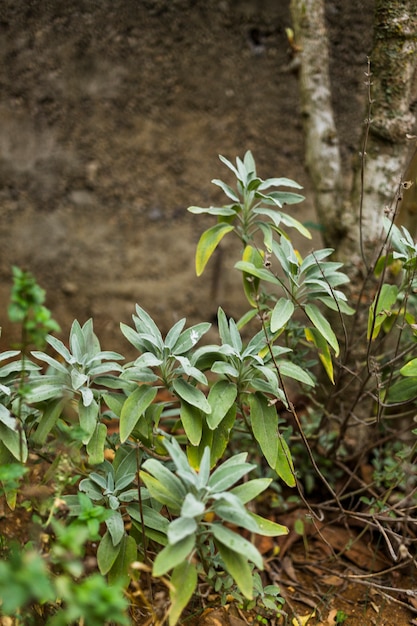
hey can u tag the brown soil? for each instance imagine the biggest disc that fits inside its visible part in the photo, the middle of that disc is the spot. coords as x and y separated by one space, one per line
111 119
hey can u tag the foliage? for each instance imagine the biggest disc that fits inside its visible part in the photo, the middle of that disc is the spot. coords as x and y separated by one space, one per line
167 486
27 309
31 583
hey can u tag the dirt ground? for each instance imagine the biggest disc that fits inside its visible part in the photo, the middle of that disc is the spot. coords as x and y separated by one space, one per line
112 116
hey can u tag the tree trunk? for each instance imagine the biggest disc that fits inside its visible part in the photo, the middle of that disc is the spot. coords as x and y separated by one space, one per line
351 208
352 219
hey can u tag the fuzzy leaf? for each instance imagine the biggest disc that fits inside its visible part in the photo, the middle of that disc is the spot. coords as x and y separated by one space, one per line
237 543
192 395
173 555
180 528
251 489
107 553
238 567
87 416
184 582
192 421
227 474
167 479
48 420
115 526
95 447
282 312
134 408
221 398
160 492
120 569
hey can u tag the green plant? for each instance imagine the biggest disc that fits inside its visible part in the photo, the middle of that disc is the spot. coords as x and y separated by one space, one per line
298 284
27 309
341 617
202 503
54 586
168 486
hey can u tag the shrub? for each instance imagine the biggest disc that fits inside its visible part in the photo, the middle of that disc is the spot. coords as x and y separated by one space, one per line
169 487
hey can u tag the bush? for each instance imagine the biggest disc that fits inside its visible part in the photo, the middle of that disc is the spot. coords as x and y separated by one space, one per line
168 490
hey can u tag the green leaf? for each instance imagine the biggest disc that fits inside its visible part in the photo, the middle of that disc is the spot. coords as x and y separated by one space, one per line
251 489
119 573
229 165
95 447
263 274
282 312
167 479
221 398
237 543
87 416
251 283
134 408
264 421
223 326
221 435
296 372
161 493
284 466
267 528
115 402
207 244
174 332
288 220
184 582
238 567
192 507
315 337
47 421
115 526
410 368
380 309
192 395
15 442
230 193
46 391
322 325
190 337
107 553
192 421
151 518
212 210
172 555
227 474
279 182
180 528
59 347
230 509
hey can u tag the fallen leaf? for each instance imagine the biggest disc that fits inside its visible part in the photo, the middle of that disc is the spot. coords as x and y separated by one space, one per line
288 568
